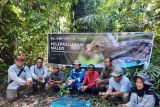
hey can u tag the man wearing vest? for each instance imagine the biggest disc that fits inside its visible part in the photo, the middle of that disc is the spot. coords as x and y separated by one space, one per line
39 74
18 76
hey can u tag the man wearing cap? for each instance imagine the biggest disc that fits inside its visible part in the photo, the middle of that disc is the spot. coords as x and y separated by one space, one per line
56 79
39 74
88 84
18 75
103 80
119 87
75 78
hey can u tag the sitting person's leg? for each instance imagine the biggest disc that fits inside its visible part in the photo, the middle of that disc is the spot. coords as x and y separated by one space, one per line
101 87
94 90
74 88
37 86
24 91
11 94
53 88
21 91
119 99
125 98
35 83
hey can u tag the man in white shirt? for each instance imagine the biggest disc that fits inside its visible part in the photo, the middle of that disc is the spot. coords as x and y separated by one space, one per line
18 75
39 74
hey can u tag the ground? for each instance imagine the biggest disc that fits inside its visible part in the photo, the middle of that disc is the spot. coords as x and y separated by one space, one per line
43 99
37 100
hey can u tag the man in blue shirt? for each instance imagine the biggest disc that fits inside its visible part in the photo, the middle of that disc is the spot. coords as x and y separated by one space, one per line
75 78
39 74
18 76
119 87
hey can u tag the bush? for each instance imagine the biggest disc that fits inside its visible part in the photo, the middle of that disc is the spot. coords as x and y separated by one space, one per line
3 73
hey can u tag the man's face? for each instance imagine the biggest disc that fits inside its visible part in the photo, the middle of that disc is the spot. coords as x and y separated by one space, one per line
107 62
39 63
139 84
117 78
19 63
55 70
76 66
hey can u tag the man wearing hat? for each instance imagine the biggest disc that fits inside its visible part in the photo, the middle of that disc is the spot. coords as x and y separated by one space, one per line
75 78
141 95
119 87
55 80
18 75
39 74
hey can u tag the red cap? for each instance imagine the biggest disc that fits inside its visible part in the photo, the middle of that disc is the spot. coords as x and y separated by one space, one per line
20 58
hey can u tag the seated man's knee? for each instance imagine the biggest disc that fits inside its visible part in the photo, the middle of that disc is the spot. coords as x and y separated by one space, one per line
11 94
94 89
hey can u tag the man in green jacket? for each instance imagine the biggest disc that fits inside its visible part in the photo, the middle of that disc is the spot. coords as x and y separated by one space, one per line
103 80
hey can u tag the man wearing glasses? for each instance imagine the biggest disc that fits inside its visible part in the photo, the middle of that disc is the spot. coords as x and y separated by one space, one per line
39 74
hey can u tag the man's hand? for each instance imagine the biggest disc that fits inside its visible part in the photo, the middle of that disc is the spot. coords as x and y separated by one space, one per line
124 105
98 81
70 81
28 84
105 96
40 80
51 82
84 88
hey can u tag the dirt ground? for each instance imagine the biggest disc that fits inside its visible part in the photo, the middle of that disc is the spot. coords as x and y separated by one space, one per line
37 100
41 99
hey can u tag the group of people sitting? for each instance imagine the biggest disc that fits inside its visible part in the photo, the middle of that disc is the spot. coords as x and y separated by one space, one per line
111 84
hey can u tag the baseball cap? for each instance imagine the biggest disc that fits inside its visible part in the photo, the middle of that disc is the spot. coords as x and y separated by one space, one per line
117 72
55 66
20 58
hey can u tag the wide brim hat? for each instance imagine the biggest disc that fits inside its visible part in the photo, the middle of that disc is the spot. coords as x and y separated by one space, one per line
145 78
76 62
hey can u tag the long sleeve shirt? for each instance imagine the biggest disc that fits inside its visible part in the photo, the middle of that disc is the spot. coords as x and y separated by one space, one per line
147 100
105 74
41 72
13 72
77 75
89 79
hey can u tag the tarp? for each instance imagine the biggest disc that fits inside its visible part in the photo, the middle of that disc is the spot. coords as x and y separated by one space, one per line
126 49
69 102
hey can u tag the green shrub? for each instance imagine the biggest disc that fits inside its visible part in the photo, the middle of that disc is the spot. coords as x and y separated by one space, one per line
3 73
